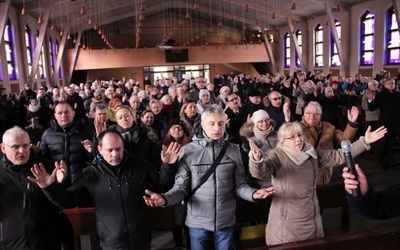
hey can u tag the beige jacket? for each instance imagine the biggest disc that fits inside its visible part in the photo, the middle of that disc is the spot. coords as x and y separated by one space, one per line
294 213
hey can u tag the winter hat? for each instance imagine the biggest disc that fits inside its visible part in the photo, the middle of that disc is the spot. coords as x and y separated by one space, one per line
177 121
254 92
203 92
259 115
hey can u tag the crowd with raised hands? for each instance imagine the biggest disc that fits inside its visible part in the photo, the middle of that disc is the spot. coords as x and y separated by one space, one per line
113 142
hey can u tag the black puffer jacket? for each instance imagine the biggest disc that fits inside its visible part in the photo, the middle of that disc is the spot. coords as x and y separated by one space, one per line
65 144
117 194
28 220
138 144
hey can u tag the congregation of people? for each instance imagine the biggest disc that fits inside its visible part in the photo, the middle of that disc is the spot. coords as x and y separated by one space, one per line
119 145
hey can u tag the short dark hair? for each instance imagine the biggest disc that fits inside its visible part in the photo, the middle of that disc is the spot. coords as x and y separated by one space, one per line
106 132
64 102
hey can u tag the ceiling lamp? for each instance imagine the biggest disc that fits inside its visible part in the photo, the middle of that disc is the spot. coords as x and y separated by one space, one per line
40 20
244 27
196 5
273 15
188 16
142 7
23 11
211 30
246 8
220 24
338 8
257 22
96 27
69 36
293 6
74 41
293 22
83 10
141 17
328 23
90 21
52 27
314 16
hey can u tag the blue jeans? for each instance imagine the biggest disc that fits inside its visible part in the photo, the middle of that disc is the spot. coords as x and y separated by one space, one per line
200 238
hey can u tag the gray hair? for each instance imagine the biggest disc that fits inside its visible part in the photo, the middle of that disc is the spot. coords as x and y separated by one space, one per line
314 104
14 131
212 109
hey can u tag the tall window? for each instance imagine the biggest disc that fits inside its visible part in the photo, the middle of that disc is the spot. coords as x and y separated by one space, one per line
52 55
29 47
57 50
286 46
42 61
318 43
367 39
392 38
300 43
10 53
335 60
1 74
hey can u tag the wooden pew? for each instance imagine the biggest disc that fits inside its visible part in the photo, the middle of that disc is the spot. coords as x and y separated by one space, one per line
383 238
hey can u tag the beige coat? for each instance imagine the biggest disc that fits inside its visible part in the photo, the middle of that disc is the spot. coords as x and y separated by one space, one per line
294 213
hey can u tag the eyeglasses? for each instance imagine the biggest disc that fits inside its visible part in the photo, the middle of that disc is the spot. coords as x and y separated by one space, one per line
16 146
234 99
313 114
276 98
176 127
293 137
264 121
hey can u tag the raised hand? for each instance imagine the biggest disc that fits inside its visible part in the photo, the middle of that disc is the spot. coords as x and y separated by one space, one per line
375 135
352 114
61 171
153 199
99 125
263 193
351 184
87 144
255 150
286 111
41 177
171 154
36 147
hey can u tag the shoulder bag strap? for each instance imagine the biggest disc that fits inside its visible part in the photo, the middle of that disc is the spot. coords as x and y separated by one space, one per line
209 171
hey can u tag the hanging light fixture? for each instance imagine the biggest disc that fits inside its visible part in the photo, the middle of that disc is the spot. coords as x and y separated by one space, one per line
69 36
141 17
61 33
244 27
188 16
257 23
293 22
90 21
338 8
23 11
273 15
83 10
293 6
40 20
196 5
52 27
328 23
314 16
220 24
142 7
246 7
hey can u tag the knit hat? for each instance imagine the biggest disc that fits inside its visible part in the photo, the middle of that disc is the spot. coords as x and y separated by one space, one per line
259 115
203 92
177 121
254 92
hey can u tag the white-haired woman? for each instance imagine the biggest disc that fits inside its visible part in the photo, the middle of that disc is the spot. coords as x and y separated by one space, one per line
294 213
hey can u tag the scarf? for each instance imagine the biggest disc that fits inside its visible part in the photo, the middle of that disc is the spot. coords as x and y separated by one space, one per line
299 156
262 134
34 109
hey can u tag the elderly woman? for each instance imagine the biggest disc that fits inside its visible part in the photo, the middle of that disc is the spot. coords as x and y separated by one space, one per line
294 213
204 100
223 95
261 130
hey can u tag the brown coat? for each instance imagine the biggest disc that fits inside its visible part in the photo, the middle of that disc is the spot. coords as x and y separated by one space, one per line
294 213
330 138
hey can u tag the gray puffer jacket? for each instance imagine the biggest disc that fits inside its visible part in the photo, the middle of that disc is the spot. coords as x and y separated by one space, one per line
213 205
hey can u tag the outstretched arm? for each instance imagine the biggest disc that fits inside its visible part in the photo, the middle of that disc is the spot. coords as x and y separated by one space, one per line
263 193
153 199
43 179
375 135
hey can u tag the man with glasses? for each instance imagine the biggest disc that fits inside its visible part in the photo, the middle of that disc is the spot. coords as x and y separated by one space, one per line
278 109
27 219
236 117
323 135
200 83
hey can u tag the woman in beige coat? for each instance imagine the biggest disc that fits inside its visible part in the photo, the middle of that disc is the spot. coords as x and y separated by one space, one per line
294 213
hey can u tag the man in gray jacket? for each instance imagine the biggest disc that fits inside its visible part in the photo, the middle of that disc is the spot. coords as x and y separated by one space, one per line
211 209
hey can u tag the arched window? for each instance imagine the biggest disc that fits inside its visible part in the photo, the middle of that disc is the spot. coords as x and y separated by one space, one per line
42 61
10 53
300 43
367 43
392 38
319 48
52 55
29 47
335 60
286 46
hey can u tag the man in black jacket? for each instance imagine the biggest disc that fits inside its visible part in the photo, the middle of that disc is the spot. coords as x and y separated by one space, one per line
115 183
27 219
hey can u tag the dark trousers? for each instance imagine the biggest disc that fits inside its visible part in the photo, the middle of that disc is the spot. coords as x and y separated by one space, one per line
386 145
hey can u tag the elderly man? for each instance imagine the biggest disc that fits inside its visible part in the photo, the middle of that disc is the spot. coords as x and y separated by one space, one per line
278 109
211 209
28 220
200 83
323 135
115 183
